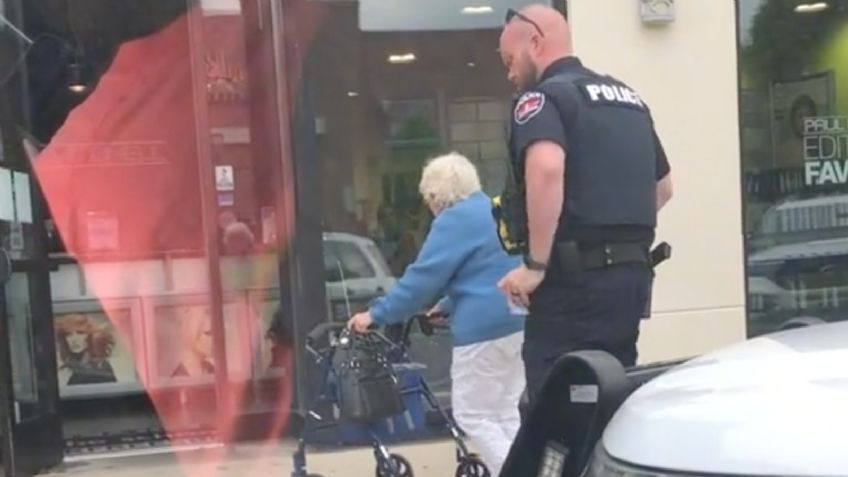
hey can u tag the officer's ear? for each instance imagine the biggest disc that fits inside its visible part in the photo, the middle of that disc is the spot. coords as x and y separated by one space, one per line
536 45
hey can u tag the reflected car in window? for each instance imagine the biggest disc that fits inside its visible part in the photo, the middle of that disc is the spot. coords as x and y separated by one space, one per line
798 262
355 272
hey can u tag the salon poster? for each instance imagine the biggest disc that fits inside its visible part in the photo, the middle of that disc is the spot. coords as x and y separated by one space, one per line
185 345
793 103
90 349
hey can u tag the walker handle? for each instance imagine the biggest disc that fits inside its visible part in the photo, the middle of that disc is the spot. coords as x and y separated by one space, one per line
323 329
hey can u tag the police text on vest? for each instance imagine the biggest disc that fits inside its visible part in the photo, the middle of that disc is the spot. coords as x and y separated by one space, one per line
612 93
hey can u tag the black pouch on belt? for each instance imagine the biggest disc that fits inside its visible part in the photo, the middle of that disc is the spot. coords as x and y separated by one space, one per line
569 261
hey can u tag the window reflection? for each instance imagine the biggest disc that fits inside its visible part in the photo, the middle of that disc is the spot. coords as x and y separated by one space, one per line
155 134
146 126
794 137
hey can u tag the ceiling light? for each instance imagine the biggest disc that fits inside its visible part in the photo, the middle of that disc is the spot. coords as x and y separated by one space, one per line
471 64
402 58
477 10
811 7
76 79
352 94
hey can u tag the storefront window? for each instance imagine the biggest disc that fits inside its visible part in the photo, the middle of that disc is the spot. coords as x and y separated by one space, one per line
794 122
218 177
386 86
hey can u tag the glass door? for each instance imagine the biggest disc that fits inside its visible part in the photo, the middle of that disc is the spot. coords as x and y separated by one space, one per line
32 439
31 431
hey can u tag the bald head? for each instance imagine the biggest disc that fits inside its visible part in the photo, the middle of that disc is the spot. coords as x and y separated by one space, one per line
552 23
536 37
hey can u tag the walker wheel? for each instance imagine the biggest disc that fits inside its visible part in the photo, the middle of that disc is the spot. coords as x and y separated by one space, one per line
402 466
472 466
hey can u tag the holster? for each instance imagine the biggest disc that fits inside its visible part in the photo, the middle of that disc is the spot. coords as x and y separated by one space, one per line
659 254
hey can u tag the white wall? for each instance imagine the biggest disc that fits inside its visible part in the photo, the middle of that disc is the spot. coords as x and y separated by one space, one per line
686 70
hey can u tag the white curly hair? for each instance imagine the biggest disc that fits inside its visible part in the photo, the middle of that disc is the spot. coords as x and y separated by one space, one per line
447 180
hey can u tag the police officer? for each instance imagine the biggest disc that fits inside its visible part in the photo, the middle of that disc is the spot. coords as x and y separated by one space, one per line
592 175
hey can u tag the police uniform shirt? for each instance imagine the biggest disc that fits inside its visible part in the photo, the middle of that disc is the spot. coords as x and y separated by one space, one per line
538 116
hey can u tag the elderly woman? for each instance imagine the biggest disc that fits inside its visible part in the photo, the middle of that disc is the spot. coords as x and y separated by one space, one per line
462 260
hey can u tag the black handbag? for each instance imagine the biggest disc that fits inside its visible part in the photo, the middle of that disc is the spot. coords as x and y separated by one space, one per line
368 388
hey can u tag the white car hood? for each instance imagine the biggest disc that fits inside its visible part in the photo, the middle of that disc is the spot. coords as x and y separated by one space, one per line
774 405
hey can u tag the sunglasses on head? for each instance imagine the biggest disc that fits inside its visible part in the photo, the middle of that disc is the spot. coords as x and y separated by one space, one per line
511 13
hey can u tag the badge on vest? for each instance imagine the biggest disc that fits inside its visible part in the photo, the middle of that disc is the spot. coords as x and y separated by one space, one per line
611 95
529 105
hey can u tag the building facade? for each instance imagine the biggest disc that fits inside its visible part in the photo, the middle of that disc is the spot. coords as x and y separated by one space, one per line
189 187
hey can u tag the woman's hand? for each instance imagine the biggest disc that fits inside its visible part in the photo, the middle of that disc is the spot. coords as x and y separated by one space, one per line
435 317
360 322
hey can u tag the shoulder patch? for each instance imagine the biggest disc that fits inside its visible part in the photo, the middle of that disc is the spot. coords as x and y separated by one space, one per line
528 105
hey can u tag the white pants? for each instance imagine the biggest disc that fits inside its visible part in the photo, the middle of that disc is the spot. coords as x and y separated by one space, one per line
488 379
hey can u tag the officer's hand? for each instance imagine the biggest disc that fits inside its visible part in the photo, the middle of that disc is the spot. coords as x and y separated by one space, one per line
519 284
360 322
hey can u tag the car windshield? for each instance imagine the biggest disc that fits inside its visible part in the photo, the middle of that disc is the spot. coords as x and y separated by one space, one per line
379 259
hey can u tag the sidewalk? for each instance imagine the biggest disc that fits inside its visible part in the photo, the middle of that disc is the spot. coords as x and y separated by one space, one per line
429 459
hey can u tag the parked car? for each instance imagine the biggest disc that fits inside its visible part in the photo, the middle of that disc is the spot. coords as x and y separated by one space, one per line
770 406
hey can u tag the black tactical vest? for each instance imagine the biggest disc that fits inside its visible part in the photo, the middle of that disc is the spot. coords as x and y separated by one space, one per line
610 177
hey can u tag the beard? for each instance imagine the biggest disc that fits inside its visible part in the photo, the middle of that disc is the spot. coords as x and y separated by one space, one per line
528 74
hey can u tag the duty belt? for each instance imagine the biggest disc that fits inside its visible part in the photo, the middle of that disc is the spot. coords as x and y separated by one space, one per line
574 257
